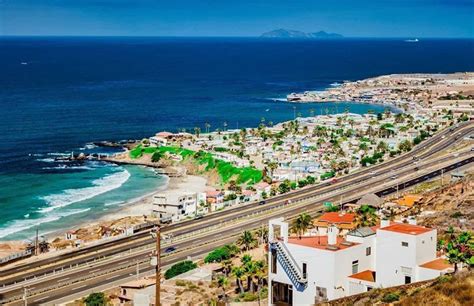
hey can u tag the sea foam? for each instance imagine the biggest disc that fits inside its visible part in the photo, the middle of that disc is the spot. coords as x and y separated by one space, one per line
24 224
70 196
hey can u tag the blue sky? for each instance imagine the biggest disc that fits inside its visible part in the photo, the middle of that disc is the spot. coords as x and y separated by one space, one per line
360 18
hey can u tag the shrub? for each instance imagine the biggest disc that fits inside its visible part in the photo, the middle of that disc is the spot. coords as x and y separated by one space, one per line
180 268
96 299
218 255
391 297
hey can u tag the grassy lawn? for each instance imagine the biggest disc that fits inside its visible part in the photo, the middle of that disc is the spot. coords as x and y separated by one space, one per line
225 169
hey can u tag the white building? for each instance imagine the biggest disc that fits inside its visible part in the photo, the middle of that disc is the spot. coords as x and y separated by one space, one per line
313 269
176 207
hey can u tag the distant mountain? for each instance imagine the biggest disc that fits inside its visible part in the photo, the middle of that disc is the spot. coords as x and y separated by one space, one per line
283 33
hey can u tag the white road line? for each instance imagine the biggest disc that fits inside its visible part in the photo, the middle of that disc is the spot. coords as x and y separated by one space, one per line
79 287
63 279
111 277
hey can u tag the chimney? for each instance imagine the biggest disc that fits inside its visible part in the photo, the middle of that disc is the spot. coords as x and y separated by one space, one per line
384 223
412 220
332 235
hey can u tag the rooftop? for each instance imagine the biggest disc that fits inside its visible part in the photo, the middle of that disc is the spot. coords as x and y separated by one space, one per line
405 228
336 217
367 275
321 242
437 264
362 232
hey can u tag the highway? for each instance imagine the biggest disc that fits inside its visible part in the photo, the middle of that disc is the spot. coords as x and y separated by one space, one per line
349 187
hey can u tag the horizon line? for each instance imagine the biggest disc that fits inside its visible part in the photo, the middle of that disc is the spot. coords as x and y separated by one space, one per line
232 36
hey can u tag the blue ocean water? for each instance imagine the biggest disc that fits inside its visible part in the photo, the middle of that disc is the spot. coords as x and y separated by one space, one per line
58 94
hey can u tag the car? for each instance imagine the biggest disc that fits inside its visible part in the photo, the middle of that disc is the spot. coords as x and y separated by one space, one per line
416 169
393 177
333 181
198 217
262 203
170 249
472 149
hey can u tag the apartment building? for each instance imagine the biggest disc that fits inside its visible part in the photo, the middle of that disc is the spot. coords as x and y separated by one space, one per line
314 269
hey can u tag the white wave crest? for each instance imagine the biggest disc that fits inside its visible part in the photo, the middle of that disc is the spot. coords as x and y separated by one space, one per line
70 196
21 225
46 160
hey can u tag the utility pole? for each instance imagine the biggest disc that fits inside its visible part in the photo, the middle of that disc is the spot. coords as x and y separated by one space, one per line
25 294
158 264
442 172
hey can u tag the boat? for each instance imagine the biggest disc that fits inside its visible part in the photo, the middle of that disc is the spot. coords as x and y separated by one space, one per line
412 40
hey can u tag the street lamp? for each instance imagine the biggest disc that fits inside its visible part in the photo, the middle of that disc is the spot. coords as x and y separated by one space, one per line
155 261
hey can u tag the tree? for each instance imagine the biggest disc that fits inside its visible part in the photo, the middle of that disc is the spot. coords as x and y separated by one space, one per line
262 234
197 131
96 299
156 156
227 266
180 268
460 248
404 146
366 216
239 273
301 224
247 240
223 282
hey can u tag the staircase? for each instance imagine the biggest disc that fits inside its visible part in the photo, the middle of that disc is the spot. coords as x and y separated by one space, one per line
289 264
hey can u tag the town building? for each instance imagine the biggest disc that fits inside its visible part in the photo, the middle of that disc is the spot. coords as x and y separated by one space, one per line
311 269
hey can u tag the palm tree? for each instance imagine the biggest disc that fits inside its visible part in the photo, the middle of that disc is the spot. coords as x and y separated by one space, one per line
262 233
302 224
239 273
223 282
208 126
197 131
247 240
226 266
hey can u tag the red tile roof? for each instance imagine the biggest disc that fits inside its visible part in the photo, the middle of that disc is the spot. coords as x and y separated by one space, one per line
405 228
320 242
336 217
437 264
366 275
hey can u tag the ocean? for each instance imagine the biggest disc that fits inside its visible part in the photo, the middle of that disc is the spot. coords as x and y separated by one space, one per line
59 94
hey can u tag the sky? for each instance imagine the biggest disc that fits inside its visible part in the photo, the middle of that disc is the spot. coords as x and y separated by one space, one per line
351 18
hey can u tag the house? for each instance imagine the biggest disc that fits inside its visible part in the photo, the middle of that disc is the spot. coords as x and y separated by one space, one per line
344 222
262 187
158 141
176 207
132 293
318 268
215 199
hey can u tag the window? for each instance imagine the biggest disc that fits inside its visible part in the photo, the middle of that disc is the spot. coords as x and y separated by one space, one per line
404 244
355 266
305 270
368 251
407 279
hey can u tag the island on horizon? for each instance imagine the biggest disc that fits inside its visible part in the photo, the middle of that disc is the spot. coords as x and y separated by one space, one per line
292 34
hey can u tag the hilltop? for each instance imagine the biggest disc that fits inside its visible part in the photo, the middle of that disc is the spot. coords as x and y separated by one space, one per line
291 34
